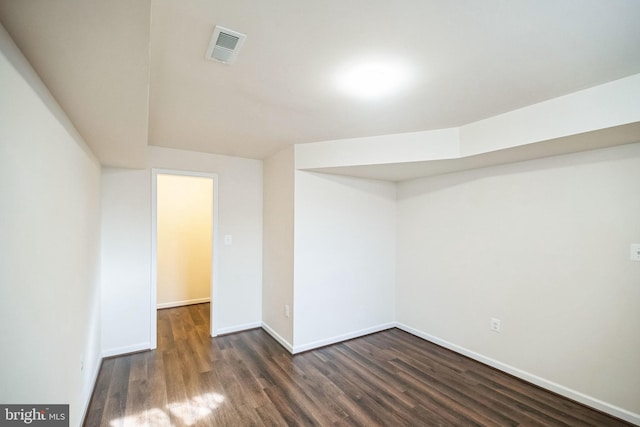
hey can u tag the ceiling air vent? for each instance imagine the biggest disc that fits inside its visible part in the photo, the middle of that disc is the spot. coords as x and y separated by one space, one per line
224 45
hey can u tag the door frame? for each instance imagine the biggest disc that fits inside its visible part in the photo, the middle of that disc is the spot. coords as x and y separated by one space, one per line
154 250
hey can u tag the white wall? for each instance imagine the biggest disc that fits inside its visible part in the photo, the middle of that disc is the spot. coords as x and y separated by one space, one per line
611 104
49 246
544 246
184 230
126 260
593 110
126 224
277 281
394 148
344 258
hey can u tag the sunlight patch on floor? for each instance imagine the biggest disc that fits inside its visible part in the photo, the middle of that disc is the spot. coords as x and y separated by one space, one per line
189 412
193 410
150 418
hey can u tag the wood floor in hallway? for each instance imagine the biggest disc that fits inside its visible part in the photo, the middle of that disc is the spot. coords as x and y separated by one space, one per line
390 378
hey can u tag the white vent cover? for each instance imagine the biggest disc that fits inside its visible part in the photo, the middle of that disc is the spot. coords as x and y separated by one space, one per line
224 45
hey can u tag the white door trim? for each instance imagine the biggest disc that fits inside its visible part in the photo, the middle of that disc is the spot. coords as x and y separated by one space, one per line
154 250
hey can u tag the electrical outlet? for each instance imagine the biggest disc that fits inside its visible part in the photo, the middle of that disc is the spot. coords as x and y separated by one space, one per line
634 252
495 324
286 310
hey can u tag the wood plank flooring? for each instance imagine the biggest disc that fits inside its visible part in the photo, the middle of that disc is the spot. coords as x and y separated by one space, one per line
247 379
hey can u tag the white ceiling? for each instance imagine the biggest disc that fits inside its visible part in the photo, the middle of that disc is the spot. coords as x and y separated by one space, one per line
92 55
132 73
402 171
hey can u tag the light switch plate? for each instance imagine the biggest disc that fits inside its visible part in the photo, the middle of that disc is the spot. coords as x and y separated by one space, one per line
634 252
228 239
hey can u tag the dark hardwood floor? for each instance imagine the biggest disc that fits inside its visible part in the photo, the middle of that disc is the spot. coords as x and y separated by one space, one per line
390 378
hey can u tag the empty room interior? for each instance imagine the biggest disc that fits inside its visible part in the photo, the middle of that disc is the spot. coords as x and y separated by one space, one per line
410 212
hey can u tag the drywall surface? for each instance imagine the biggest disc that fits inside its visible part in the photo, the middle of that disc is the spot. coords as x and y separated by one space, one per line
611 104
94 57
547 128
277 276
126 207
126 260
543 246
49 249
344 257
185 231
382 149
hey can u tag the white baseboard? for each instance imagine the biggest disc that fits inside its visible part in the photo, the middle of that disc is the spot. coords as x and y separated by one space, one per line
126 349
181 303
534 379
340 338
277 337
238 328
527 376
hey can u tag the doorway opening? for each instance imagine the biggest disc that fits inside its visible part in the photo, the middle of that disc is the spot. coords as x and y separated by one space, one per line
183 238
